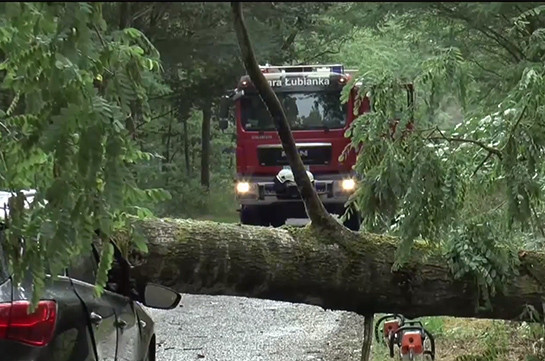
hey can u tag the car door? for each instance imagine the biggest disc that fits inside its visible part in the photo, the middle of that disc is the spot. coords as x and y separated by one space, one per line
100 312
128 333
128 330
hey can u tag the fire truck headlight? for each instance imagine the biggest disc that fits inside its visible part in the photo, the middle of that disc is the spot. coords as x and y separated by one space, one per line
243 187
348 184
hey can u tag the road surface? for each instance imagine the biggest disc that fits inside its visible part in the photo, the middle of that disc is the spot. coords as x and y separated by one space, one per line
221 328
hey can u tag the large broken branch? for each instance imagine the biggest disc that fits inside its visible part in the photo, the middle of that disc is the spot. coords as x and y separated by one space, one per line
297 265
315 209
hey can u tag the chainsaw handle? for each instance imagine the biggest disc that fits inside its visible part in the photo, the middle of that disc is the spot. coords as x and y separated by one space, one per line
391 339
416 328
414 323
432 344
384 318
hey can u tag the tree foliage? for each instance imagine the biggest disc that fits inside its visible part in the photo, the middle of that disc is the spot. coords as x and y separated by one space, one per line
472 184
71 87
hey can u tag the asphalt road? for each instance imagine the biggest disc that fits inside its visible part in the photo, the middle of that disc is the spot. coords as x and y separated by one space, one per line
224 328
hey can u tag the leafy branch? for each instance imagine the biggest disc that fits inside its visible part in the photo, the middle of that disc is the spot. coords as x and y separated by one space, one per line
6 129
490 149
515 126
482 163
83 168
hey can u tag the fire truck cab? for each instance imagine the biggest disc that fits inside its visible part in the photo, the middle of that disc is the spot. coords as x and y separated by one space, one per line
310 96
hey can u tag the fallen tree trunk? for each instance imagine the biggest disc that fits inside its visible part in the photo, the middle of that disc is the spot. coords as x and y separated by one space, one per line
296 265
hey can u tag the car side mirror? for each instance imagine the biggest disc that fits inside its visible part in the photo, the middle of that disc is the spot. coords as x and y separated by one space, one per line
238 94
225 102
157 296
224 112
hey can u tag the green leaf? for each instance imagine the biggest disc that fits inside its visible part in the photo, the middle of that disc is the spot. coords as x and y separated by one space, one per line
104 265
140 242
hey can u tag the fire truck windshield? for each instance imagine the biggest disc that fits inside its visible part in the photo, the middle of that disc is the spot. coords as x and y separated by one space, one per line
304 110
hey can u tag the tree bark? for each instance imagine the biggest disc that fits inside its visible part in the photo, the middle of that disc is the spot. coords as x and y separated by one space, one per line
299 265
315 209
205 144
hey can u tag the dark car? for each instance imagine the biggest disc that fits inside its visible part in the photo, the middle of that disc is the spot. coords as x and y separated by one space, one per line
71 324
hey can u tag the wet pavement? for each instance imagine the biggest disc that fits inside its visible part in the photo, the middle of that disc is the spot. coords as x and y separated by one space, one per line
224 328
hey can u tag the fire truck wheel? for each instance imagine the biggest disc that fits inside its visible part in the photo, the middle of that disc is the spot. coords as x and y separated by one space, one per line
252 216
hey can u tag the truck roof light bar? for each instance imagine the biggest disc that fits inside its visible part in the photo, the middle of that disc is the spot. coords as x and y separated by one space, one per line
307 74
332 68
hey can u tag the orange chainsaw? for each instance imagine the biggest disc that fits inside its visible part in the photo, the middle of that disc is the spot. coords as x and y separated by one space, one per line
390 324
410 338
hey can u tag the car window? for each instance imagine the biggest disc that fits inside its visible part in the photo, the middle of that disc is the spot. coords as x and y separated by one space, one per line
117 277
84 268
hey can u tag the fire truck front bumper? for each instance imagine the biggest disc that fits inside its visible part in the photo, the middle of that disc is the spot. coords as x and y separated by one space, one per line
332 189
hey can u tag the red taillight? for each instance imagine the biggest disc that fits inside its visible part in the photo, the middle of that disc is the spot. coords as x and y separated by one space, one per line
34 329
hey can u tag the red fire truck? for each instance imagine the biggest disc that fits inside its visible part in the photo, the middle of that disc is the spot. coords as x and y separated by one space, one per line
310 96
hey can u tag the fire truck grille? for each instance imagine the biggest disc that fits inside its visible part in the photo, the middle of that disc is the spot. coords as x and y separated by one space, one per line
311 155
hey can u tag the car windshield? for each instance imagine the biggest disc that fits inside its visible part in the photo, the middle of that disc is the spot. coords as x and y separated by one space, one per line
316 110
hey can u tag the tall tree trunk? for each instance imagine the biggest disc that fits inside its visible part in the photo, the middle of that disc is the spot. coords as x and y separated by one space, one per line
153 17
297 265
183 114
316 211
166 155
186 148
205 144
125 15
